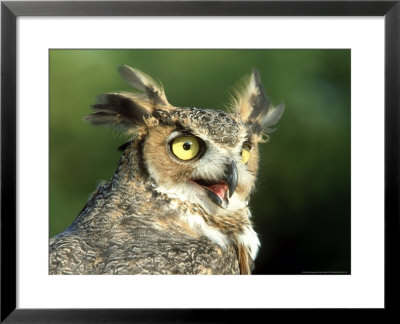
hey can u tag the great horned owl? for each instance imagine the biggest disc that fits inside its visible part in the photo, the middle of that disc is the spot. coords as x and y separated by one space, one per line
178 201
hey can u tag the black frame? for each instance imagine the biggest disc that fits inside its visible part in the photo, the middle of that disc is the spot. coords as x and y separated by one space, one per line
11 10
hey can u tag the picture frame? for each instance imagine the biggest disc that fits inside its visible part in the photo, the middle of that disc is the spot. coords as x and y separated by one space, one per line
10 11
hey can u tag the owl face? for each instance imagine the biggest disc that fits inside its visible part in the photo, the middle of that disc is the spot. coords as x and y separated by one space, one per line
204 156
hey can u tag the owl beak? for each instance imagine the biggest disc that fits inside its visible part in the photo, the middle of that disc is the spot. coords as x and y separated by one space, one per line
231 177
219 192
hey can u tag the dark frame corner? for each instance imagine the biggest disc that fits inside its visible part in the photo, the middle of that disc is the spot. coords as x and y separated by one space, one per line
11 10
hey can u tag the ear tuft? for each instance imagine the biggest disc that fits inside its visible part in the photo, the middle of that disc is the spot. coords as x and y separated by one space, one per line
142 82
123 111
272 118
253 106
128 111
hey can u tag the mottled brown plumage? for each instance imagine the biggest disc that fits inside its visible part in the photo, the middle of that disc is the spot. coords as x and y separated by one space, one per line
162 212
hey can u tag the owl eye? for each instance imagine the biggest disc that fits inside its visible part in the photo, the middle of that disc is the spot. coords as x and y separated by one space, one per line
185 147
245 153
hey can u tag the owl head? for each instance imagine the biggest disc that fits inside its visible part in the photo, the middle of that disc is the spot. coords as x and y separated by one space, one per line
204 156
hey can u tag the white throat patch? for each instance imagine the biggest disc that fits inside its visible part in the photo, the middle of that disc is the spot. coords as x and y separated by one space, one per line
196 222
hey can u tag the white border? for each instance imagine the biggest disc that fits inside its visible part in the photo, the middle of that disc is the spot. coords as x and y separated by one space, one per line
363 288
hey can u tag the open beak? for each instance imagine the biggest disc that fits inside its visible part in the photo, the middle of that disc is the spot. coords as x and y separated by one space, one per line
220 191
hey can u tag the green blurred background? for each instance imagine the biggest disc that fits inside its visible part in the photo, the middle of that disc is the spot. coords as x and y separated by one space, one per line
301 207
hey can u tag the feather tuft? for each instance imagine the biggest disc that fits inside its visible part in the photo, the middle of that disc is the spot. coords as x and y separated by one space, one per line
127 111
142 82
253 105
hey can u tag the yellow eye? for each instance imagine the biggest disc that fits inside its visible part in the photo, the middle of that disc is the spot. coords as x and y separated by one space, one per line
246 153
185 147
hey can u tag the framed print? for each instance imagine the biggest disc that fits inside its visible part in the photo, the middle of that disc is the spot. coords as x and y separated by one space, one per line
324 210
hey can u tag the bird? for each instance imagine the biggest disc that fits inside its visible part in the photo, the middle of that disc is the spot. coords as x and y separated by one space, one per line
178 202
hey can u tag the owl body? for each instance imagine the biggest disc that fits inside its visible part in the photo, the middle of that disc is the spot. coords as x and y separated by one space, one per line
178 201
